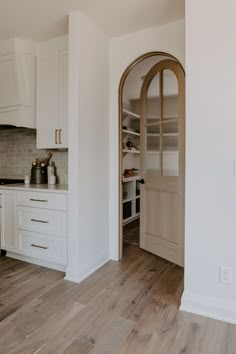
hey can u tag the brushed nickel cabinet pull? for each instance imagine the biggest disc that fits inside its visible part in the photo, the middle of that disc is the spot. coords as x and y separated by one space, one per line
37 246
39 200
41 221
59 136
56 136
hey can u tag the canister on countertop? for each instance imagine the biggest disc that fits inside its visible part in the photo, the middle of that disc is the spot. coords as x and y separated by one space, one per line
39 175
39 170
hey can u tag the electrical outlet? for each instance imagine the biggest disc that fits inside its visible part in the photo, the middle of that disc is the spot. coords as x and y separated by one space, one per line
226 276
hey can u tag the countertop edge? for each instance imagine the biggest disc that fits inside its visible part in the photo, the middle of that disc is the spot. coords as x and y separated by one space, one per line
57 188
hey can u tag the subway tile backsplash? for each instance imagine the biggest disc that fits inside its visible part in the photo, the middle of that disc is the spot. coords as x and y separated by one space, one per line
18 150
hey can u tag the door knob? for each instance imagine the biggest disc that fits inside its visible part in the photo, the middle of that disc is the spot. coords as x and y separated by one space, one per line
141 181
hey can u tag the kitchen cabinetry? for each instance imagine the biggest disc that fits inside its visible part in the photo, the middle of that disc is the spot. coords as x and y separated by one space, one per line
8 220
52 94
34 227
17 83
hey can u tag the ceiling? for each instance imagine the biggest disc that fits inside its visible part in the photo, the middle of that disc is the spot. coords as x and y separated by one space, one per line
44 19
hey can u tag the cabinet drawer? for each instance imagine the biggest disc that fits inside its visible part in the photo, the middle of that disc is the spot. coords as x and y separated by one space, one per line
42 200
44 221
43 247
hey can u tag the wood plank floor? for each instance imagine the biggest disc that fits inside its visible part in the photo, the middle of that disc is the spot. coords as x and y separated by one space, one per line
126 307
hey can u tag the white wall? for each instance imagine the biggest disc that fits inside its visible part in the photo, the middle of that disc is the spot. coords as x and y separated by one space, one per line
88 148
123 50
211 150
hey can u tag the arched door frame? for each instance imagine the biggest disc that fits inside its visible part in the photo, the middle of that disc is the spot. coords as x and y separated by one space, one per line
120 107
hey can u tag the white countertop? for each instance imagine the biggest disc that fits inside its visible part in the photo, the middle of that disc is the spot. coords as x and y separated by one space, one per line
57 188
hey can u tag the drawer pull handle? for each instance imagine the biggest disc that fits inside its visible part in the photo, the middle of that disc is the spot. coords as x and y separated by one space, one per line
37 246
56 136
39 200
59 136
41 221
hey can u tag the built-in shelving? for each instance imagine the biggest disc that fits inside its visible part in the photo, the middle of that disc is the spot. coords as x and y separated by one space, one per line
131 114
165 118
131 204
131 151
130 132
130 219
165 134
130 179
130 199
165 150
127 200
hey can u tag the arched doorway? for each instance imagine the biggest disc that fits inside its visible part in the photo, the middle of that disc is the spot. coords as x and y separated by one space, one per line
142 66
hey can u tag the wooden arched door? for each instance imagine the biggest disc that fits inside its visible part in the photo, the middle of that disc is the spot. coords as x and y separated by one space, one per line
163 161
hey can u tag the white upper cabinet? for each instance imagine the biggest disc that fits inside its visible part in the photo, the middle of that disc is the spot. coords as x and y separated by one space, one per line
17 83
52 94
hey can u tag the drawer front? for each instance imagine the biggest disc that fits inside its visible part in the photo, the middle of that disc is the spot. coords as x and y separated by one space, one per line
42 200
44 247
44 221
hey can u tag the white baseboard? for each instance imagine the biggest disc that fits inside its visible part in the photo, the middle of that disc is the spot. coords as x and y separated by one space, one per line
36 261
88 268
209 307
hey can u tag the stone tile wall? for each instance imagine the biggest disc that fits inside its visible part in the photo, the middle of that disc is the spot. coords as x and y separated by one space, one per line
18 150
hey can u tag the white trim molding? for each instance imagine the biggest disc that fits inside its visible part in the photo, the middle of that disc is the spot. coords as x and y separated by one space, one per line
167 38
36 261
88 268
209 306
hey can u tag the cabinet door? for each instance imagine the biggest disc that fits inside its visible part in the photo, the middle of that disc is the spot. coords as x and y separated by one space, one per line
63 125
8 221
52 100
9 95
48 103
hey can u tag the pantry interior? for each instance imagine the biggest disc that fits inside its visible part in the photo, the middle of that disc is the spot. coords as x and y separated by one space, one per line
131 150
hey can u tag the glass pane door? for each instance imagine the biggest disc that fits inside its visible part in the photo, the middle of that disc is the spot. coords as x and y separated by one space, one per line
162 125
153 127
170 125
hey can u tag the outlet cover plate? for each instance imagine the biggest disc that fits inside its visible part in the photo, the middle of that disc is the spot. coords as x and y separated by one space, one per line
226 276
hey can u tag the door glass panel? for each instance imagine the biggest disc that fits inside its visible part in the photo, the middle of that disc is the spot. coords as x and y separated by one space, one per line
170 95
153 149
170 136
170 149
170 127
170 131
170 163
153 100
162 138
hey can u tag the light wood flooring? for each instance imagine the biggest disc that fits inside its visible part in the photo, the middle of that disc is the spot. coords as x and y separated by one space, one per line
126 307
131 232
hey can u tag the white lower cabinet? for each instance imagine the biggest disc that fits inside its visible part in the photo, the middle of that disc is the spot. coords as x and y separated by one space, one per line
50 222
45 247
34 226
42 200
8 221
